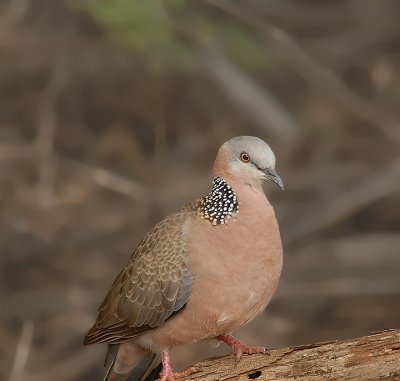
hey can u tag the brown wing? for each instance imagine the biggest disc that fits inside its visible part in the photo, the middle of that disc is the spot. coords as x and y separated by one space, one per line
155 284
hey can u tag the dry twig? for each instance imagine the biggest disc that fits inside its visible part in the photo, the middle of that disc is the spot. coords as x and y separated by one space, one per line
347 203
100 176
105 178
47 124
264 109
22 352
320 77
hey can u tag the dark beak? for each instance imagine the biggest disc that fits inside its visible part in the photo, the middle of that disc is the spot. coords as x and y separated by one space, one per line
273 176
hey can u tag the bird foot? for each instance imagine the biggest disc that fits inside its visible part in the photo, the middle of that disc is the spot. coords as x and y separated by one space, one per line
168 374
239 348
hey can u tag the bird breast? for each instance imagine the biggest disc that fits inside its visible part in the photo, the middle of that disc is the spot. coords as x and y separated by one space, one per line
237 268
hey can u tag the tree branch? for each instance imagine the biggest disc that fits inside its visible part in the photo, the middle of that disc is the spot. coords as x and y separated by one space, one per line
47 123
268 114
345 204
325 80
374 357
22 352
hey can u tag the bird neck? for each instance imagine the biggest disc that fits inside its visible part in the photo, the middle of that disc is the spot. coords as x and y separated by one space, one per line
220 204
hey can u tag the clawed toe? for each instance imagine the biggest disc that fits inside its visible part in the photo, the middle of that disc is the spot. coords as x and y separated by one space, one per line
252 350
239 351
169 375
239 348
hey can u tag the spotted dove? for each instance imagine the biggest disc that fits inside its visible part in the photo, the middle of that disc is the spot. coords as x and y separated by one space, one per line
199 274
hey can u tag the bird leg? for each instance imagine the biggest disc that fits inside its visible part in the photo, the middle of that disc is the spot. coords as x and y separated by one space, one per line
167 373
239 348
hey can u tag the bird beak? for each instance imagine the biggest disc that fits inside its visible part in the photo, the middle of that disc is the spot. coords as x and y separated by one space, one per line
273 176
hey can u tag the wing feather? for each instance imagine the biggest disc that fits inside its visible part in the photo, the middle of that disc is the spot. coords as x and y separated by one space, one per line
155 284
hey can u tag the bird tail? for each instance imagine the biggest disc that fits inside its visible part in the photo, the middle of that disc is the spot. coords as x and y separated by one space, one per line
146 369
154 374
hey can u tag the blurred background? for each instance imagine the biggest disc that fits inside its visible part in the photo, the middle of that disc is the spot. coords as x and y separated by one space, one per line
111 113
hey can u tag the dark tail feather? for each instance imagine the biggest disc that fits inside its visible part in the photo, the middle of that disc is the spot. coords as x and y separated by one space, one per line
141 372
145 368
154 374
112 351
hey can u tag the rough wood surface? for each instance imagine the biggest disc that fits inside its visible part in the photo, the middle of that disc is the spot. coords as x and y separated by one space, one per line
374 357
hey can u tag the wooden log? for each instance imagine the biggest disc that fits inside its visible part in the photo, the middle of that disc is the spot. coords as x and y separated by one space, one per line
375 357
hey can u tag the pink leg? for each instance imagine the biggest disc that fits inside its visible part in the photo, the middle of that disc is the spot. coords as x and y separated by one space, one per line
239 348
168 374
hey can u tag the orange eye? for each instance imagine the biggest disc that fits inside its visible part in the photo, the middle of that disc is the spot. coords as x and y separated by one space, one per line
245 157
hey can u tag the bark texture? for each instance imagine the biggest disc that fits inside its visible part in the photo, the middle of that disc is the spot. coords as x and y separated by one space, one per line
373 357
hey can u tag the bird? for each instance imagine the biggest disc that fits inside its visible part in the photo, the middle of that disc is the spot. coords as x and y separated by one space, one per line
198 275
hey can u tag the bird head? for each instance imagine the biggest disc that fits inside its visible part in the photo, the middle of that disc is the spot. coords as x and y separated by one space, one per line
247 160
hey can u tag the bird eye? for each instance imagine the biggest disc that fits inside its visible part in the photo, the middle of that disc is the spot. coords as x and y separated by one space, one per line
245 157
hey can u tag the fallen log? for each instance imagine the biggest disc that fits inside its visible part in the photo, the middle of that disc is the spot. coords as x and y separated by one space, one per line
374 357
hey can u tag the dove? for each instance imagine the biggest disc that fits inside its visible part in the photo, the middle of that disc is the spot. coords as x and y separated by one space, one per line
198 275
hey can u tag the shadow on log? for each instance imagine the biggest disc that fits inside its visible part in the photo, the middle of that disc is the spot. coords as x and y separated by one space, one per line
374 357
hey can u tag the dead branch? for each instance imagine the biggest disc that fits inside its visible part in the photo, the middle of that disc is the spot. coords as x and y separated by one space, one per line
100 176
374 357
255 100
347 203
22 352
105 178
47 124
327 82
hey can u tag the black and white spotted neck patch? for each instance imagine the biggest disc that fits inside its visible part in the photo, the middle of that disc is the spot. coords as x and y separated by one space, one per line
220 204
